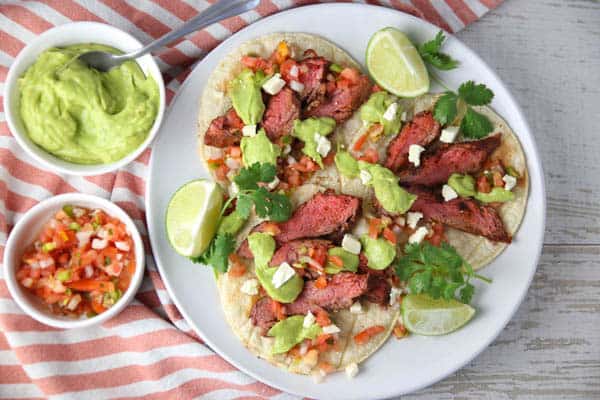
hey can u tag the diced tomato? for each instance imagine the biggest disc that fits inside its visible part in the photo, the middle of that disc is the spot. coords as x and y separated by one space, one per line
389 235
399 331
497 178
215 162
329 159
374 227
358 145
365 335
370 156
437 237
234 151
237 268
90 285
335 260
321 282
271 228
278 310
483 185
257 63
285 68
322 318
221 172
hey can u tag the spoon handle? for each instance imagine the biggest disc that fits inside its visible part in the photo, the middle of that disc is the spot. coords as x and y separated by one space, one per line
220 10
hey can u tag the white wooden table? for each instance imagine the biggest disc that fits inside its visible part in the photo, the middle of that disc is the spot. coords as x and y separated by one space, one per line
548 53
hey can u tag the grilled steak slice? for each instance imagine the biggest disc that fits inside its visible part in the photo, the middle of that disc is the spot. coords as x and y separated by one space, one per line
224 131
263 314
422 130
378 289
326 214
341 291
292 251
463 158
463 214
312 75
282 109
342 101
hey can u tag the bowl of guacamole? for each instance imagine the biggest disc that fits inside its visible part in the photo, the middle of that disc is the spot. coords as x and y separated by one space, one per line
75 119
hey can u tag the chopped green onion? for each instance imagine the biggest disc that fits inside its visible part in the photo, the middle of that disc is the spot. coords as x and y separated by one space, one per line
336 68
107 261
63 275
48 247
74 226
68 209
95 225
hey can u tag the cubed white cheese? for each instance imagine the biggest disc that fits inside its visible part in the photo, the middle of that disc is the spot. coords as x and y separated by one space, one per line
356 308
323 145
390 112
123 246
83 237
98 244
273 184
418 236
249 130
331 329
406 115
351 370
283 274
400 221
509 182
449 134
296 86
413 218
448 193
365 177
309 319
414 154
351 244
394 293
360 228
274 84
250 287
294 71
291 160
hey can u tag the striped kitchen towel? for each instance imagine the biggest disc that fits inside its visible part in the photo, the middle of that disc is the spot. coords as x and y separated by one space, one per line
148 351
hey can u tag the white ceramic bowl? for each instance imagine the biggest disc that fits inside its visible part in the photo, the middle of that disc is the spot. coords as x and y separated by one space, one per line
26 231
64 35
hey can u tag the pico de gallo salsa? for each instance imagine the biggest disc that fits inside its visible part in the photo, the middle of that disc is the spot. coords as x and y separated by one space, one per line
81 263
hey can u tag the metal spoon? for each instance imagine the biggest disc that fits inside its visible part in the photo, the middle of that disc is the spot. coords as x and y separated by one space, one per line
104 61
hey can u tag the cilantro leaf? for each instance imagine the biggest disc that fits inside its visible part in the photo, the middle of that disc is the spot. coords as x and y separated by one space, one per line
445 109
430 52
248 177
475 125
217 254
275 206
436 271
475 95
244 205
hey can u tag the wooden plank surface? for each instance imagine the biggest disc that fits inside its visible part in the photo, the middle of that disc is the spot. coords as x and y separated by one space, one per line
548 53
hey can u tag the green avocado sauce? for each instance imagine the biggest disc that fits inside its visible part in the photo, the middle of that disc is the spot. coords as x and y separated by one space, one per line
259 149
350 261
82 115
392 197
305 130
372 111
291 331
262 246
231 223
346 164
246 97
379 252
464 186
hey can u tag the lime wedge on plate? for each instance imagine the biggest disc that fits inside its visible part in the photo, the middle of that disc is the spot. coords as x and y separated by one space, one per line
192 216
426 316
395 64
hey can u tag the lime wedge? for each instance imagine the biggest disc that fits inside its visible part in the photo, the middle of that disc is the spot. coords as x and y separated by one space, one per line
425 316
395 64
192 216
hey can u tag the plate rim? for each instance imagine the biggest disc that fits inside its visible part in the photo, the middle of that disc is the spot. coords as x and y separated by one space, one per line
534 155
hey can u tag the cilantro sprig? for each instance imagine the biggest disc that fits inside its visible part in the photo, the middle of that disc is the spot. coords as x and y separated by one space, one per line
437 271
431 54
474 125
273 206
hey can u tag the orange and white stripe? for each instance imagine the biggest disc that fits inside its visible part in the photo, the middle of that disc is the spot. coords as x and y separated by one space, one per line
148 351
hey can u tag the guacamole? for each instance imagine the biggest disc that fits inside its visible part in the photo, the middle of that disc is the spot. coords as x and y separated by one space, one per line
291 331
373 111
463 185
259 149
262 246
246 97
82 115
392 197
497 195
380 253
307 129
349 260
346 164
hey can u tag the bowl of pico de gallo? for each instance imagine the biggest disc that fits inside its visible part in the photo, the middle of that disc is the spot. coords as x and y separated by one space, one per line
74 260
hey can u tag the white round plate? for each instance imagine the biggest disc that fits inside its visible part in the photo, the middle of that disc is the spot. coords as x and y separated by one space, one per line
401 366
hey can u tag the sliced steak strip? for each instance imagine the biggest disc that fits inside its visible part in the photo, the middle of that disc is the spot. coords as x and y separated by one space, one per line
463 214
463 158
342 101
263 314
224 131
378 289
292 251
282 109
422 130
324 214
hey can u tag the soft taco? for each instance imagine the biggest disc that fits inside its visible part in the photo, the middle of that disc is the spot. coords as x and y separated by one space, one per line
276 99
470 193
335 308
